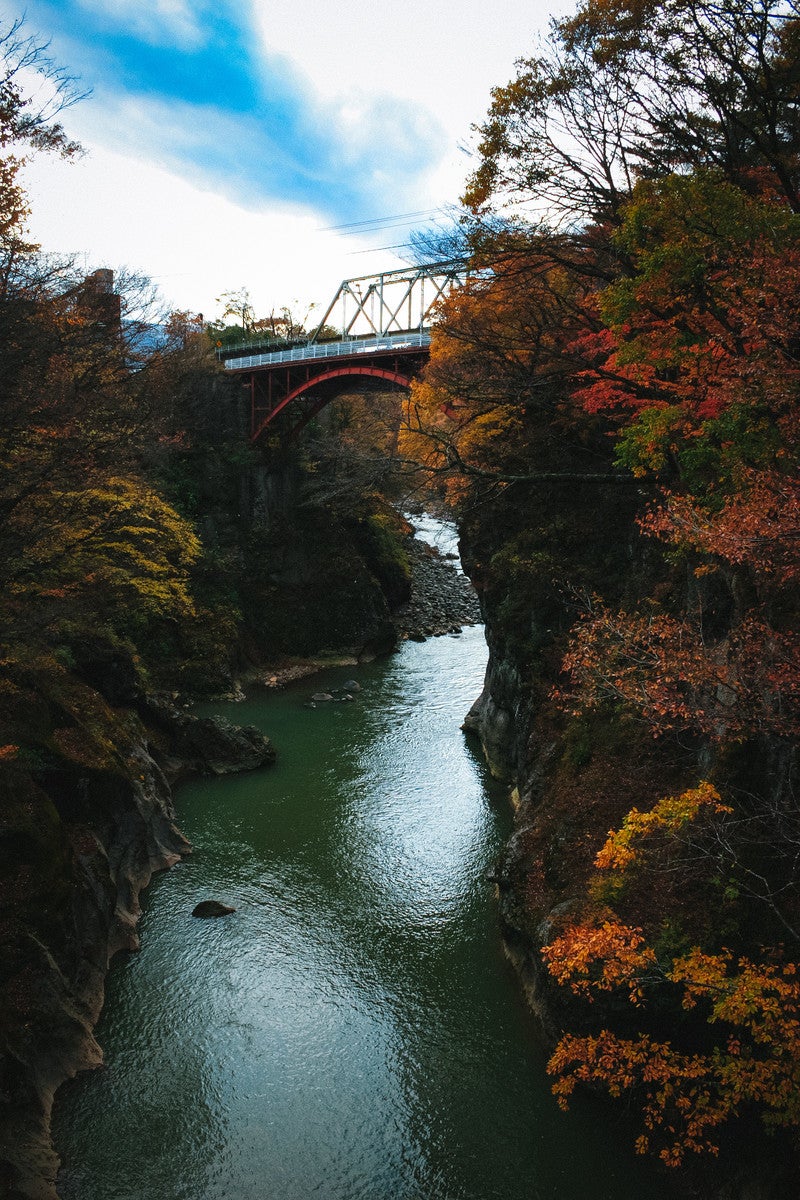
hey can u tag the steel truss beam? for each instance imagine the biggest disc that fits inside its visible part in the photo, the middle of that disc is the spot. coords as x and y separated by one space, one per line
393 302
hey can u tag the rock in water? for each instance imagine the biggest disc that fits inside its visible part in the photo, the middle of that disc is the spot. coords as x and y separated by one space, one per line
211 908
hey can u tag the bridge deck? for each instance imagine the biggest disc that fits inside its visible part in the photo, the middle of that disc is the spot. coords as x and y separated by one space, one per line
322 350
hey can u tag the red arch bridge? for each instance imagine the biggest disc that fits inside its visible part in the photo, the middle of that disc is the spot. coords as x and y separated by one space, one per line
385 338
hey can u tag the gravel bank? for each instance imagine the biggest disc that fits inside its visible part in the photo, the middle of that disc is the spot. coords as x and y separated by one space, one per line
442 598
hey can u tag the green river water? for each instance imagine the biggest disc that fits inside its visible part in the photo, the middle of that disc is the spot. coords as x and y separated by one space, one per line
353 1031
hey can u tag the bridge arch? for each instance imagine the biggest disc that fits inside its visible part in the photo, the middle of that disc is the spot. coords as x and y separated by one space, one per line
353 371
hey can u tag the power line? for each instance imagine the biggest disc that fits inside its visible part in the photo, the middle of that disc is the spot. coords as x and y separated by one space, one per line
376 249
381 222
386 225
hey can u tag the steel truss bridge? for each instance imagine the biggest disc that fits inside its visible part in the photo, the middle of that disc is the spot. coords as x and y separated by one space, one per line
384 322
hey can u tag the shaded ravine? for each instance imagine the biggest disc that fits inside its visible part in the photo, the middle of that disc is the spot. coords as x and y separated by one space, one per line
353 1031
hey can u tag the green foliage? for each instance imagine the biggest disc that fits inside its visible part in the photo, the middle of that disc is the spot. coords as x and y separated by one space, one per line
379 537
714 464
651 443
711 462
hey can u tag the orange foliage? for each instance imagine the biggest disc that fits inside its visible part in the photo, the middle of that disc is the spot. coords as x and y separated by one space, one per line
688 1097
663 669
680 1100
758 528
685 1097
600 958
496 365
709 317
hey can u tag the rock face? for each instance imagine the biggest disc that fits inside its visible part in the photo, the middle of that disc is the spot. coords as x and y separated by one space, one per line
310 589
54 962
190 745
495 728
534 559
80 837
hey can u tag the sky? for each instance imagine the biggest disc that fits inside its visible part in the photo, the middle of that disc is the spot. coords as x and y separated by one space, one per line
265 145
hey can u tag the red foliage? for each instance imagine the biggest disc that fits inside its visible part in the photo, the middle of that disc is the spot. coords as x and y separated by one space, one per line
758 528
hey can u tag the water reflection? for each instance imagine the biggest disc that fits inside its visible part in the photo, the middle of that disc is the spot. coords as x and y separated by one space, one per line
352 1031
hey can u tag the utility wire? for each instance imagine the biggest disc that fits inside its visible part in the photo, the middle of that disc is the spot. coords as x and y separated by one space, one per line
380 228
375 249
379 222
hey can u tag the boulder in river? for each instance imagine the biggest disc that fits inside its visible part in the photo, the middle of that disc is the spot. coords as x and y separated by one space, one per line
212 908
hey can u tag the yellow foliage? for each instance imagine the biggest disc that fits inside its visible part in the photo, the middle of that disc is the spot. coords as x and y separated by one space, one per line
685 1098
600 958
496 354
668 816
116 537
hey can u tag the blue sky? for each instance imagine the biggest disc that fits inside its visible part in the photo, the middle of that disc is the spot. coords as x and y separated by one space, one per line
194 86
266 124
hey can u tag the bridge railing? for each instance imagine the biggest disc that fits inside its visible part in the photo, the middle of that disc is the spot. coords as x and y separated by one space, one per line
350 348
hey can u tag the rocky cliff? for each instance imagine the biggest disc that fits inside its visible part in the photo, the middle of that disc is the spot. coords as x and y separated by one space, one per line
87 818
575 775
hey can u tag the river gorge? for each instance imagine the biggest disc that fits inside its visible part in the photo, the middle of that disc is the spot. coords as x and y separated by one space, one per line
353 1030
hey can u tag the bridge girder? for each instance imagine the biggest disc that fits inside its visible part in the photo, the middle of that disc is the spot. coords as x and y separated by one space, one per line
292 393
312 385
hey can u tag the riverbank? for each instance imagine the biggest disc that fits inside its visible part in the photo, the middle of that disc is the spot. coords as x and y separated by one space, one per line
88 832
441 601
442 598
105 825
581 769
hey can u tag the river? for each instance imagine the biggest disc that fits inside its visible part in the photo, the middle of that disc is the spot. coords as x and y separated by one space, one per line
353 1031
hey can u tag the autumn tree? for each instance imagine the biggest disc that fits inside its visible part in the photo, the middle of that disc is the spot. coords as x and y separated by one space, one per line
492 407
657 146
633 317
699 372
237 304
621 92
284 324
689 1086
87 540
28 123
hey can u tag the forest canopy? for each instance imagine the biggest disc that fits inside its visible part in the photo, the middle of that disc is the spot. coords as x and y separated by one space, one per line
633 322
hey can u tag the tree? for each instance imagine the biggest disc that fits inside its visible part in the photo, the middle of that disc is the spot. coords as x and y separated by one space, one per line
28 119
701 377
492 406
84 539
622 92
238 304
634 214
752 1008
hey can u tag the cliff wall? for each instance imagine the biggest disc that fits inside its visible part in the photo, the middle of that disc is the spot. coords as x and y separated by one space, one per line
87 818
538 562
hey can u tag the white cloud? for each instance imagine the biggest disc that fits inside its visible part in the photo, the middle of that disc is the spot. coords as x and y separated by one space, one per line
368 97
116 211
444 55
